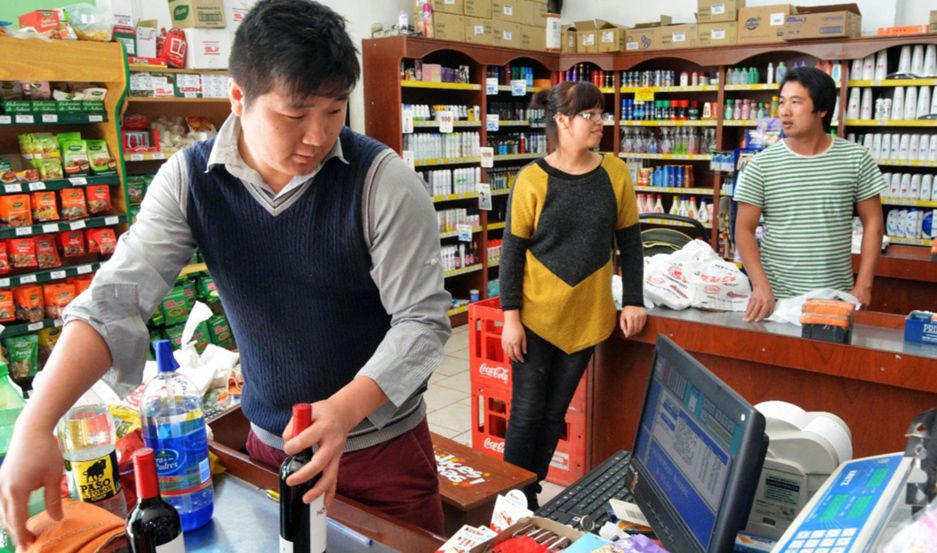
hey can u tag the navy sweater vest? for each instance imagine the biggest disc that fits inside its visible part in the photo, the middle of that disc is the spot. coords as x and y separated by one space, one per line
296 287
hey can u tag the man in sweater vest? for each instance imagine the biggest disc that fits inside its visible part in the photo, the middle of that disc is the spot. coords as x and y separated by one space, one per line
324 249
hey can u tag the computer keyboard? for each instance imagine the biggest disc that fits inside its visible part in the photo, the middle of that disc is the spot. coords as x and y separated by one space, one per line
583 504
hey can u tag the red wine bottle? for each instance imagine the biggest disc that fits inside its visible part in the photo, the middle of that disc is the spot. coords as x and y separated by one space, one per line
153 526
302 525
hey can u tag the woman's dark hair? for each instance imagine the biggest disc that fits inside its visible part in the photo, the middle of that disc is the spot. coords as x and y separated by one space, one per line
568 98
299 44
820 86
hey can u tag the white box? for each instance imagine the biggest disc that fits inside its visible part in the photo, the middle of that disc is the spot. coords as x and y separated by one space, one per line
207 48
237 11
146 42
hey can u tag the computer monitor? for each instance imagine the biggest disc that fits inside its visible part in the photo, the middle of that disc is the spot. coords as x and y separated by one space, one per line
697 454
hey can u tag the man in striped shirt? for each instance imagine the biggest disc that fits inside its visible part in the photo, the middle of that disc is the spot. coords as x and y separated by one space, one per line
806 186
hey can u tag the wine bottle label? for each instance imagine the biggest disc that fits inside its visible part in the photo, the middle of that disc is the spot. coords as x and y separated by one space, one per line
97 479
317 525
286 546
175 546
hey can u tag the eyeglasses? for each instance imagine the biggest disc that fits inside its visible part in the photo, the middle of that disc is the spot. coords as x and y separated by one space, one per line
594 116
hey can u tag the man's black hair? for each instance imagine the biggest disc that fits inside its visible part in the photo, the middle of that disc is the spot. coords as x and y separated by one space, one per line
822 89
299 44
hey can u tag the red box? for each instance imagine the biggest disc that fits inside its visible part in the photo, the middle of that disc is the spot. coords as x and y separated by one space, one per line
41 20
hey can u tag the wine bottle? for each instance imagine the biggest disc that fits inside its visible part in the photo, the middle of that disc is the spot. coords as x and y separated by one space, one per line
302 525
154 525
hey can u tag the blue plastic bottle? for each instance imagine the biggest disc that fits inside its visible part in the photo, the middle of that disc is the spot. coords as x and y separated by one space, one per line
174 427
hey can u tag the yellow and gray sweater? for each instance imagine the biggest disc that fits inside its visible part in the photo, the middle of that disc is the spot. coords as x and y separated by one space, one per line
556 262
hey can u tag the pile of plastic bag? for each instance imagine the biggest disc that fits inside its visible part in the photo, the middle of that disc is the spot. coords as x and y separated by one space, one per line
695 276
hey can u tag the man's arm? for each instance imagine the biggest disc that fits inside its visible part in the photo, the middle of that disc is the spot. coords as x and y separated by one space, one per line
870 213
761 303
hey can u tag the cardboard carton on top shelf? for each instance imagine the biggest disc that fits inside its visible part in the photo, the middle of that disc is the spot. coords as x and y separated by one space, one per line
715 11
833 21
717 34
536 13
679 36
207 48
479 31
453 7
512 11
447 26
569 39
587 33
477 8
646 36
533 38
612 40
198 14
763 25
506 33
933 21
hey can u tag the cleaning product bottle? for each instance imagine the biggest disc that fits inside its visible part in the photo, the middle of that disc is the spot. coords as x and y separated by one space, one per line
781 72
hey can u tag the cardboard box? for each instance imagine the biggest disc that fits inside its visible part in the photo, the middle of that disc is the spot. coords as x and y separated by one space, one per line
512 11
447 26
41 20
715 11
479 31
454 7
506 33
588 36
933 21
834 21
477 8
146 41
612 40
236 11
536 13
717 34
198 14
646 36
763 25
569 39
207 48
533 38
679 36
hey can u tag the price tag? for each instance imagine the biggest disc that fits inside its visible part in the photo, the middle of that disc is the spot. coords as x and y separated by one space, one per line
25 119
644 95
24 231
78 225
28 279
5 119
717 9
57 275
50 118
78 181
717 34
492 122
32 327
4 283
407 156
39 185
491 86
12 187
465 232
136 157
679 37
484 196
445 120
488 156
95 118
508 10
407 121
84 269
518 87
159 155
111 220
776 19
51 227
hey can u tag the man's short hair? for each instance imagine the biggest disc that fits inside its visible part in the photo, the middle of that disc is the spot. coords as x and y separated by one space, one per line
299 44
820 86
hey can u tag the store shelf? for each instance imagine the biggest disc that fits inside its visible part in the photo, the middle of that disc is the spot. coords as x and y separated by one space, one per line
175 100
893 82
146 156
757 86
932 123
670 89
435 124
739 123
496 226
686 123
141 68
507 88
463 270
193 268
905 163
668 222
909 203
52 119
910 241
59 184
446 161
512 157
25 328
457 310
675 157
454 197
62 226
49 275
501 192
454 233
673 190
440 86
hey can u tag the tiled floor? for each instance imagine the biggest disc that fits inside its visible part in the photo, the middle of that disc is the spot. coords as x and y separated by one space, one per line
449 394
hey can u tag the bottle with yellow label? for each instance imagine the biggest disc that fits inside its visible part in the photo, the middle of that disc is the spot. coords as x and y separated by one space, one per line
87 438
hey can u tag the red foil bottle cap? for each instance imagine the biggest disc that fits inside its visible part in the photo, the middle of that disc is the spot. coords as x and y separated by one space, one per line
302 417
144 473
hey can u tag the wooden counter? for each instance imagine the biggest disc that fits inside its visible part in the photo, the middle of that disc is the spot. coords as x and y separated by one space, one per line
905 279
877 384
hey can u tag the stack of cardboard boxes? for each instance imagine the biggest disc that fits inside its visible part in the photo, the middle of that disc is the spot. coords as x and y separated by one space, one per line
510 23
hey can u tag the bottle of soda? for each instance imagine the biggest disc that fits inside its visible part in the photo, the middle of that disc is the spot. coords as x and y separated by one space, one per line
87 437
174 428
302 525
153 526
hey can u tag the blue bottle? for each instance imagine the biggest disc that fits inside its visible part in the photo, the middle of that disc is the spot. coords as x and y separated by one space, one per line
174 427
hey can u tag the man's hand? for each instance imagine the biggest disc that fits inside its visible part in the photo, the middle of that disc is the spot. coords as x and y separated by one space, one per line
33 462
863 293
329 430
632 320
760 304
514 340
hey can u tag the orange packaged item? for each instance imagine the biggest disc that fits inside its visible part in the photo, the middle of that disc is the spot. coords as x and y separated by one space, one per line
99 199
15 211
101 240
73 204
22 252
29 306
47 253
829 307
73 243
81 283
4 260
825 320
7 307
57 297
45 208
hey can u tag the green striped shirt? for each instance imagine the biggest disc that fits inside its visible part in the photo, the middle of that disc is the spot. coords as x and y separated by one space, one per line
807 203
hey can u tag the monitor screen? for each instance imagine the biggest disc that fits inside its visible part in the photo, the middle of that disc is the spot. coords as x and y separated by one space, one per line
698 452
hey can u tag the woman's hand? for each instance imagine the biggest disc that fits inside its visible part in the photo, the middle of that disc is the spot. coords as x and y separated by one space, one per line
514 339
632 320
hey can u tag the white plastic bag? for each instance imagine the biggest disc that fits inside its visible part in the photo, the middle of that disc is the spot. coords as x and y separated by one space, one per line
789 310
695 276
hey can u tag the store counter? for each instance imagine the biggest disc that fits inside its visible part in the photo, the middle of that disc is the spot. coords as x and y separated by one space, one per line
877 384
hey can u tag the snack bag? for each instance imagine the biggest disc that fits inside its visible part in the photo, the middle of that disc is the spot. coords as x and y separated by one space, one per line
175 307
101 240
174 335
29 305
136 189
23 356
45 208
57 297
99 157
22 253
15 211
73 204
191 293
4 260
206 290
75 158
99 199
174 46
81 283
7 307
73 243
47 339
50 168
220 332
47 254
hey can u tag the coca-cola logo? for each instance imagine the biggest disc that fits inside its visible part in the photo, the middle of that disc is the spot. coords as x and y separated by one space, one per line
494 445
498 373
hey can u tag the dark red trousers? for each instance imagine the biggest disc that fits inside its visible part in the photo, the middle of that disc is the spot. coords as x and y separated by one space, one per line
397 477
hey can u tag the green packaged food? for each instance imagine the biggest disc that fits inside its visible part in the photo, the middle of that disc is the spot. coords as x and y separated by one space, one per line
157 318
155 335
175 307
174 335
23 355
99 157
190 291
220 332
201 336
136 188
47 339
75 158
206 290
